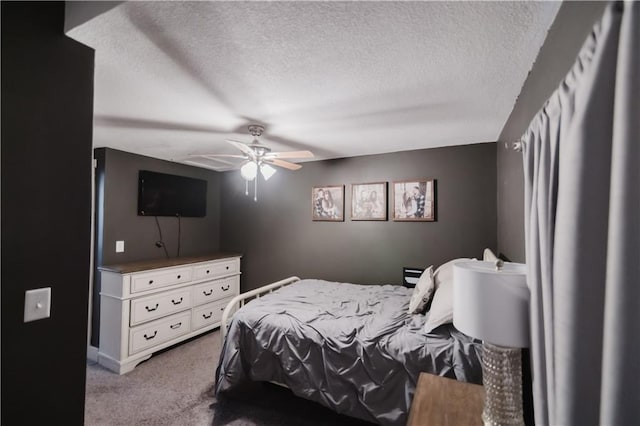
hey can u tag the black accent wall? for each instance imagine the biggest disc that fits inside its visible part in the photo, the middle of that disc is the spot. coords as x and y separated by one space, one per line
557 55
279 239
47 115
117 217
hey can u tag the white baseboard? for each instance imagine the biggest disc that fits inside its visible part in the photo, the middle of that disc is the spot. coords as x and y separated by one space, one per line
92 353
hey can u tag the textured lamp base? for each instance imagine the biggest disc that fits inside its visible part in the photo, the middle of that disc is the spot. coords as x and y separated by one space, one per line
502 378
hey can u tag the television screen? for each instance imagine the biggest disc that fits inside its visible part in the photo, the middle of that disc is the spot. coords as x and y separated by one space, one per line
160 194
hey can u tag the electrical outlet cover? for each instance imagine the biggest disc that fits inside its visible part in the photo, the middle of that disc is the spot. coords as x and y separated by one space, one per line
119 246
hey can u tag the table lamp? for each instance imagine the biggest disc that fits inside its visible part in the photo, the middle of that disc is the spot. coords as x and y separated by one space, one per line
491 303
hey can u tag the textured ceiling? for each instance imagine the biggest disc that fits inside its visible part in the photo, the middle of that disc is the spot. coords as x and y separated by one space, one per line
338 78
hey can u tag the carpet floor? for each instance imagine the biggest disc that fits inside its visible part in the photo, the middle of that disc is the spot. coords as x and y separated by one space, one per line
174 388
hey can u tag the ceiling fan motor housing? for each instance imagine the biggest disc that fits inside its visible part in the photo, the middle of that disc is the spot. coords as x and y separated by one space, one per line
260 150
255 130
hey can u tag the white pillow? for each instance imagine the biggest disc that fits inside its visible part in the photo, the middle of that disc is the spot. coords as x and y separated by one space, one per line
441 311
444 273
489 256
422 292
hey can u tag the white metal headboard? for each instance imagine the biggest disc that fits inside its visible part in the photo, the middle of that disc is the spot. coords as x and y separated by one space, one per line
240 299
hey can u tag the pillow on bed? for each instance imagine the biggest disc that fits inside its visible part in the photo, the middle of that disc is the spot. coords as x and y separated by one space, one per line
422 292
441 311
489 256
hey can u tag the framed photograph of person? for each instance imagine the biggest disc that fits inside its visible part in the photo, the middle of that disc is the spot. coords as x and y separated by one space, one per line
327 203
369 201
414 200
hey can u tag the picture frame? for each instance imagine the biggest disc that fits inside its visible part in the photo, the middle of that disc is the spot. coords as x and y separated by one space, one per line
369 201
414 200
327 203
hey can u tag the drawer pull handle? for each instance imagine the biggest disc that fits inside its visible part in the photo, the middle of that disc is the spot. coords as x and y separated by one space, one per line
174 326
151 309
178 302
207 271
179 276
207 316
207 294
226 288
222 309
150 281
227 268
152 336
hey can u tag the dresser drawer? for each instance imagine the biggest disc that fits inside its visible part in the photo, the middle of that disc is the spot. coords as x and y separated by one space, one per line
159 331
151 280
215 290
216 269
208 314
159 305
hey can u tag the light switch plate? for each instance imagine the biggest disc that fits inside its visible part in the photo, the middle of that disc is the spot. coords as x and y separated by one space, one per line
119 246
37 304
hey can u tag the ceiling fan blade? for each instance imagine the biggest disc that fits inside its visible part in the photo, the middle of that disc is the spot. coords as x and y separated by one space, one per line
140 123
207 166
217 156
284 164
290 154
242 147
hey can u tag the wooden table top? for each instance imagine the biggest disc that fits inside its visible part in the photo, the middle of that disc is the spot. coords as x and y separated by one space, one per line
446 402
143 265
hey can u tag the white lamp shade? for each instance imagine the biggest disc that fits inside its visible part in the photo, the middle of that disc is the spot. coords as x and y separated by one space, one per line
492 305
267 171
249 171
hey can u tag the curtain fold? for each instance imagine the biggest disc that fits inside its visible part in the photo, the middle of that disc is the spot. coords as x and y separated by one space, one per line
582 205
620 389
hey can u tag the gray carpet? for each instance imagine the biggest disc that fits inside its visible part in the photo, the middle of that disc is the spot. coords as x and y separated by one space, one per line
174 388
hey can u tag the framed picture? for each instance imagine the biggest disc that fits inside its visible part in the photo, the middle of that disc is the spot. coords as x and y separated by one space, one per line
327 203
369 201
414 200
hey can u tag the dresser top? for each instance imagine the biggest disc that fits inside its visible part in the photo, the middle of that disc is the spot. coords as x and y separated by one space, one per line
143 265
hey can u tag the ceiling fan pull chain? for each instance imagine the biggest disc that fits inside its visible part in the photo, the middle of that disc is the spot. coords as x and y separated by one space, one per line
246 187
255 190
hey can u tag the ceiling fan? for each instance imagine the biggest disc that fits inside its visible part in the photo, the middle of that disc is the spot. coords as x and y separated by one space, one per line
257 156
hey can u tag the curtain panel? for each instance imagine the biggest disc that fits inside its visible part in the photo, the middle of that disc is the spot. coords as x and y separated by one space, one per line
582 229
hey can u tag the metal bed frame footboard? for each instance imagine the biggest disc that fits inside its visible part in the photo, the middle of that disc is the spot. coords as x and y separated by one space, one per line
241 299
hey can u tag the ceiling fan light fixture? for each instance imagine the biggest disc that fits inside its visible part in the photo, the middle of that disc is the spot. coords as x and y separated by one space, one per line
267 171
249 171
257 156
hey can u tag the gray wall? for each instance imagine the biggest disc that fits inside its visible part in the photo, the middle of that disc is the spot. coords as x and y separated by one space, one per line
117 217
47 121
566 36
121 221
279 239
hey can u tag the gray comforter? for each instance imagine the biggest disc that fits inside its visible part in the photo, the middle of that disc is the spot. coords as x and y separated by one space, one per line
352 348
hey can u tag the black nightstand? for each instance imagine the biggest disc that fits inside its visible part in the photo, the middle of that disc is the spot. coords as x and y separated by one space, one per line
410 276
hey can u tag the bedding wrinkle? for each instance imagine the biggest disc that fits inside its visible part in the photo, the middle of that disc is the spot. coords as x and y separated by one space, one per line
353 348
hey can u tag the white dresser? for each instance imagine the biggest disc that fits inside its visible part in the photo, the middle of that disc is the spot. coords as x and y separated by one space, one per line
147 306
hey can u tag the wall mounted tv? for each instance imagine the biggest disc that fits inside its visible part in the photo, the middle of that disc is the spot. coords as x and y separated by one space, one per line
160 194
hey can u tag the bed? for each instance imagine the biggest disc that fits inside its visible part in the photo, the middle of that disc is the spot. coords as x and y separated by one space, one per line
352 348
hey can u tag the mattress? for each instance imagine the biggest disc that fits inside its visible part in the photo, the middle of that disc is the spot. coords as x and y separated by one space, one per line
352 348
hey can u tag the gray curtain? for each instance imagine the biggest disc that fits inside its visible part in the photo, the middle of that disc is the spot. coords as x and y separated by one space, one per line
582 218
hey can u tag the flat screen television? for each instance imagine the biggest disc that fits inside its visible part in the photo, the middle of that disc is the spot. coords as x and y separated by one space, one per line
161 194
